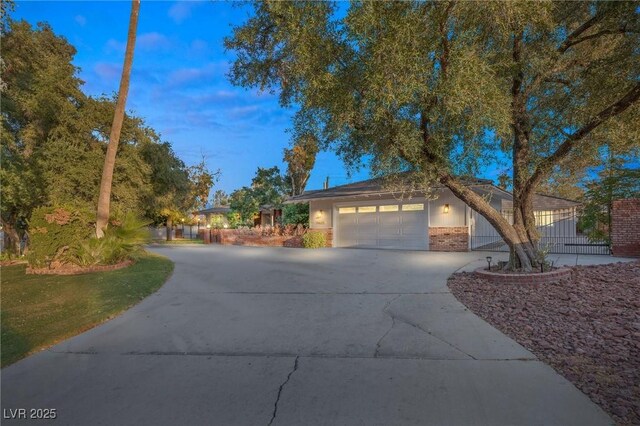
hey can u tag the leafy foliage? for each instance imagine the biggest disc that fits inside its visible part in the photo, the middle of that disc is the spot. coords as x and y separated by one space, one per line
314 240
300 159
614 181
293 214
268 187
121 241
54 140
65 234
55 230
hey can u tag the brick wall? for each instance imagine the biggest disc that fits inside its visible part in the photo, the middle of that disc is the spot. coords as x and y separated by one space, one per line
625 228
455 238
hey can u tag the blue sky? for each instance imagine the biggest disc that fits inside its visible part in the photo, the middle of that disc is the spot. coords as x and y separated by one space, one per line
179 84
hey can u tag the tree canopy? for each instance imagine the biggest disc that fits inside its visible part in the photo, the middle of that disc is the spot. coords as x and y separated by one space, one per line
268 188
443 88
54 139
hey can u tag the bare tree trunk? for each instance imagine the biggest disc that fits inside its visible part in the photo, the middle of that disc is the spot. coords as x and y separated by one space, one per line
11 238
104 200
169 229
520 246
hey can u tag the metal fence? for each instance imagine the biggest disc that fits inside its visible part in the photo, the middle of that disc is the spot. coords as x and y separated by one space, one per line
558 234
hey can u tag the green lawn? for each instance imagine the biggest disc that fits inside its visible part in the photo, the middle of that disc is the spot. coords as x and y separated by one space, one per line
41 310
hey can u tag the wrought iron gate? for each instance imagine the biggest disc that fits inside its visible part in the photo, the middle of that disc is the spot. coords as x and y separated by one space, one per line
558 234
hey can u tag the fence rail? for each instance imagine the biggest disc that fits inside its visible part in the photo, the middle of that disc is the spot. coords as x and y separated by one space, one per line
558 245
558 230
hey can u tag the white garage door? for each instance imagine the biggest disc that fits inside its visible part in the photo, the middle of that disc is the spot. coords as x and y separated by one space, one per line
398 226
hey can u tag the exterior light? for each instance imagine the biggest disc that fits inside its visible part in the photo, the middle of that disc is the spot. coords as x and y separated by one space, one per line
225 226
489 262
182 220
208 226
446 208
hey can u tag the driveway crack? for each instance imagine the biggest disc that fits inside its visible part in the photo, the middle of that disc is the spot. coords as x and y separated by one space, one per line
418 327
393 323
275 406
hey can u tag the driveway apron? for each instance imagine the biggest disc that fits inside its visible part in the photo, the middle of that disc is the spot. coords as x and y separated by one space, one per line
276 336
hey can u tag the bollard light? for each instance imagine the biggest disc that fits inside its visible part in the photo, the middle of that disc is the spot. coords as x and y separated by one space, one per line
489 262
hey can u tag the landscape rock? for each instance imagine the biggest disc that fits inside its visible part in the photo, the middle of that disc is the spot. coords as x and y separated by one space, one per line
586 327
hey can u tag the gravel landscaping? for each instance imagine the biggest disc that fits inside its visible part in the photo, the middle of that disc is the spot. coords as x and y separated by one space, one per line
587 328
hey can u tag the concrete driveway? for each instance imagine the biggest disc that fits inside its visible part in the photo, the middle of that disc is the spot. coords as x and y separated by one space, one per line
275 336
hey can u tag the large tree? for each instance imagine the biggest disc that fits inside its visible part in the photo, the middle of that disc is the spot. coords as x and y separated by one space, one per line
443 87
39 87
104 198
268 187
300 159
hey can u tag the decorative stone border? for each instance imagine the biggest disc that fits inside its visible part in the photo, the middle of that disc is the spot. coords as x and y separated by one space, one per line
532 278
77 270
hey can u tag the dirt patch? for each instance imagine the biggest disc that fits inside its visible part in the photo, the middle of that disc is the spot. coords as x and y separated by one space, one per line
76 270
586 327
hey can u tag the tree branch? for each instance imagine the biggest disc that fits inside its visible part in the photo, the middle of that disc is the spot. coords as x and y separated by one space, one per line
622 30
545 167
568 42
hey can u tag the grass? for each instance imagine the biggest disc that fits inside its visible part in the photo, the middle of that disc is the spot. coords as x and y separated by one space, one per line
41 310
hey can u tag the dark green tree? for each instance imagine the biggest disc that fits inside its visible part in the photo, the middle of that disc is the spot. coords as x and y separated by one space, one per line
618 179
39 86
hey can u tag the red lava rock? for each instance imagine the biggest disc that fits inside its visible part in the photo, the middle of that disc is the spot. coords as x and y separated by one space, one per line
586 327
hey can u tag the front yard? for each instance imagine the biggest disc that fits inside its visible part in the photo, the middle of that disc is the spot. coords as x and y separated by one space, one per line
41 310
587 328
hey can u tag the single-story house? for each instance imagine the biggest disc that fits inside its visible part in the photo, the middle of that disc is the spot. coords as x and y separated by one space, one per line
267 216
367 214
205 216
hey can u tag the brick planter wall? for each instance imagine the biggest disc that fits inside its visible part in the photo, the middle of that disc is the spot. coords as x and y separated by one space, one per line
535 278
625 228
449 238
244 238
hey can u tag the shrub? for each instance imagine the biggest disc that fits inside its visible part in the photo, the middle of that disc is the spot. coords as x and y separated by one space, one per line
65 234
314 240
293 214
234 220
54 230
122 240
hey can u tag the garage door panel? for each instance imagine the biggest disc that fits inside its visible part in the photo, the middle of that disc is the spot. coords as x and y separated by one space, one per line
400 229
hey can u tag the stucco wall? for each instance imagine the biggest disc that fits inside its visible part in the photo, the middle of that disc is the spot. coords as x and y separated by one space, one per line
320 214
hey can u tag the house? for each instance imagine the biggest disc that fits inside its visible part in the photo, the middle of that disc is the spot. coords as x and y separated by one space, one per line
267 216
217 213
367 214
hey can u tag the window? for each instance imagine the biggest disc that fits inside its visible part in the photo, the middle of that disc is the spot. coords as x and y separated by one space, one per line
544 218
367 209
412 207
346 210
390 208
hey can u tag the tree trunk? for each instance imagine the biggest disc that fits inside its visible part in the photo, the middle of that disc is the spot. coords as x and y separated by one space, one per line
522 255
11 238
104 200
169 229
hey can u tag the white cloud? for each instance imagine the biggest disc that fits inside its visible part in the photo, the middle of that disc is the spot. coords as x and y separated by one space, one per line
181 10
114 45
80 20
107 71
153 41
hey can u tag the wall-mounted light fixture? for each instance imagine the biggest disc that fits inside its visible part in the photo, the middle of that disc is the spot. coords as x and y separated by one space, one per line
446 208
319 214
